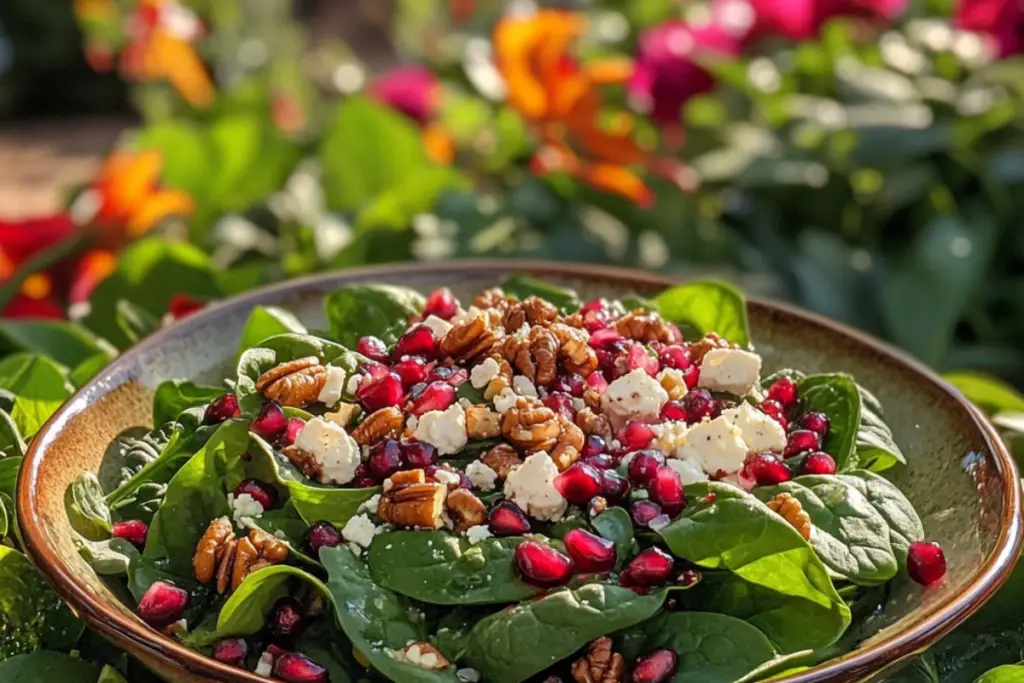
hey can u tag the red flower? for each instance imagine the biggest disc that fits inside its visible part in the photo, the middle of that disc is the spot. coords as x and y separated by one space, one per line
1001 20
412 90
802 19
182 305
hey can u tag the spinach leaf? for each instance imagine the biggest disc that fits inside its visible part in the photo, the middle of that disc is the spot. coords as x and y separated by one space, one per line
521 286
131 452
703 307
850 536
111 557
779 573
9 470
615 525
4 522
134 321
31 614
44 665
905 525
328 647
375 619
175 396
11 443
1013 673
66 343
265 322
87 510
441 568
516 643
245 612
454 628
383 311
87 369
287 524
876 447
837 396
39 386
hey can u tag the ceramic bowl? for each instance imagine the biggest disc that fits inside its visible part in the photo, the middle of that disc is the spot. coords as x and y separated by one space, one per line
960 477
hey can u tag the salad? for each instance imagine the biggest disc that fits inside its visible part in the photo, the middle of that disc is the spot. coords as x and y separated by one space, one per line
521 487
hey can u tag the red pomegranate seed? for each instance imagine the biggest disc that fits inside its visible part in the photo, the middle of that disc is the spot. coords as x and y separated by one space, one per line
677 357
507 519
441 303
643 466
801 441
818 462
699 404
162 604
614 486
601 461
412 370
766 469
674 332
286 621
815 422
926 563
774 410
636 435
784 391
542 565
691 376
589 552
651 567
570 383
297 668
657 667
561 404
605 339
579 483
220 409
373 348
385 459
434 396
270 423
666 489
262 492
322 534
231 651
276 651
594 445
596 381
377 393
594 305
637 358
133 530
673 410
643 511
375 370
364 482
418 455
291 430
418 340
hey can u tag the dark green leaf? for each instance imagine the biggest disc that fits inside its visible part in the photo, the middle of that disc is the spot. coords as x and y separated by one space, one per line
876 447
65 343
615 525
111 557
705 307
135 450
382 311
11 443
87 510
246 610
838 397
4 522
522 286
175 396
904 524
9 469
39 387
43 665
267 321
31 614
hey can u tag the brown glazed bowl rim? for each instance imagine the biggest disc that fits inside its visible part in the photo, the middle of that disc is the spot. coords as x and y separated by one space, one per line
943 616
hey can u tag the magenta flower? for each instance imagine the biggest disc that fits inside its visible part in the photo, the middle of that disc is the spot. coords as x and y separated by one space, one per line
1001 20
411 90
802 19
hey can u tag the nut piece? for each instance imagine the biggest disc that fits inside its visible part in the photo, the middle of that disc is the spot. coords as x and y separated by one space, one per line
570 442
492 298
423 655
470 338
532 310
296 383
482 422
575 353
502 458
645 327
601 665
502 381
465 509
221 555
700 348
594 423
790 509
530 426
411 502
535 355
343 414
304 461
211 549
257 551
385 423
672 382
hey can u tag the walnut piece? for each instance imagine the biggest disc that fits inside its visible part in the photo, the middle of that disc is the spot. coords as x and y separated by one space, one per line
471 338
304 461
574 353
482 422
700 348
210 549
532 310
492 299
296 383
594 423
531 426
570 442
409 501
645 327
257 551
535 355
601 665
502 458
385 423
465 509
230 560
423 655
790 509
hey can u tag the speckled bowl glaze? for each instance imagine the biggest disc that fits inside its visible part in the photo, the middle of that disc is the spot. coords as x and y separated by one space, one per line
960 477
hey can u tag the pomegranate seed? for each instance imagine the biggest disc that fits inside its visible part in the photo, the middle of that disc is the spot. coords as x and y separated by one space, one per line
297 668
596 320
276 651
818 462
364 482
666 489
594 305
380 392
385 459
579 483
375 370
291 430
411 370
801 441
441 303
614 486
699 404
677 357
433 396
561 404
596 381
656 667
643 511
459 376
452 376
766 469
418 340
673 410
322 534
601 461
636 435
637 358
815 422
691 376
571 384
286 621
231 651
594 445
163 604
605 339
651 567
373 348
418 455
261 492
643 465
507 519
220 409
270 423
589 552
133 530
674 332
926 563
542 565
784 391
689 577
774 410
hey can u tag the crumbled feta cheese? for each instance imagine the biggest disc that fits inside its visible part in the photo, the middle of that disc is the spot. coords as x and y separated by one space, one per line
482 373
265 666
523 386
333 385
716 445
445 521
465 403
578 404
445 430
531 486
671 377
669 436
482 475
437 325
759 431
478 533
411 423
462 316
689 470
370 504
635 395
353 383
446 477
334 450
359 530
732 370
506 400
244 506
468 675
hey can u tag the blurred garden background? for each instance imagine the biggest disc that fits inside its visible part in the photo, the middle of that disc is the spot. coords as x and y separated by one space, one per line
862 158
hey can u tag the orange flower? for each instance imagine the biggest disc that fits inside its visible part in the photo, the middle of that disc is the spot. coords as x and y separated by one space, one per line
561 99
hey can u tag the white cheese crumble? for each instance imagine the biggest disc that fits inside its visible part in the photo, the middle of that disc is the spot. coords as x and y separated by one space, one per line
759 431
716 445
359 530
446 477
635 395
244 506
411 423
416 655
531 486
353 383
371 504
689 471
437 325
578 404
523 386
468 675
265 666
506 400
445 430
482 373
482 475
333 386
478 533
732 370
669 436
335 451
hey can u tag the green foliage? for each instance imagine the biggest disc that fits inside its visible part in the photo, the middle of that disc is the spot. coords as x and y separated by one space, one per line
246 610
379 310
39 386
702 307
31 614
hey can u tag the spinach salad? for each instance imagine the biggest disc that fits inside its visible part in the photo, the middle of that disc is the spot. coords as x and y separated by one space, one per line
530 488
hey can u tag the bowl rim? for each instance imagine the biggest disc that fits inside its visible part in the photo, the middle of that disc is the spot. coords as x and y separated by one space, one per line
113 624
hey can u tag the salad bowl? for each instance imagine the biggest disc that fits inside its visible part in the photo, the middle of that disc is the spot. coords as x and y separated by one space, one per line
958 475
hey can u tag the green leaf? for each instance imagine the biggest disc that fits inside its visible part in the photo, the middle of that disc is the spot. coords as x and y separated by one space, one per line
175 396
615 525
990 394
383 311
111 557
31 614
9 470
43 665
522 286
375 619
905 525
245 612
268 321
111 675
441 568
4 522
1004 674
135 322
65 343
838 397
11 443
395 208
876 447
705 307
516 643
87 509
39 387
87 369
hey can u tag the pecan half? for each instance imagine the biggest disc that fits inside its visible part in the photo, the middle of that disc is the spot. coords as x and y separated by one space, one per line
532 310
601 665
534 355
594 423
574 353
492 298
471 338
409 501
502 458
482 422
306 463
210 549
700 348
790 509
229 559
570 442
645 327
531 426
385 423
466 510
296 383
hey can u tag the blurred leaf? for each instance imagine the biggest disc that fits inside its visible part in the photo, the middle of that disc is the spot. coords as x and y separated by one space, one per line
1003 674
11 443
32 617
511 141
266 321
66 343
891 144
39 387
990 394
395 207
87 369
134 321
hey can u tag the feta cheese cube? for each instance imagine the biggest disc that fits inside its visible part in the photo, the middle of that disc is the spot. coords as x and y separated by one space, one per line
446 477
716 445
689 471
759 431
353 383
437 325
531 487
478 533
732 370
333 386
523 386
332 447
482 476
482 373
244 507
635 395
359 530
371 504
445 429
265 666
669 436
506 400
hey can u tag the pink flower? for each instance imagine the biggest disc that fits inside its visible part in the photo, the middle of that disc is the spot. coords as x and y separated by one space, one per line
412 90
1001 20
802 19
